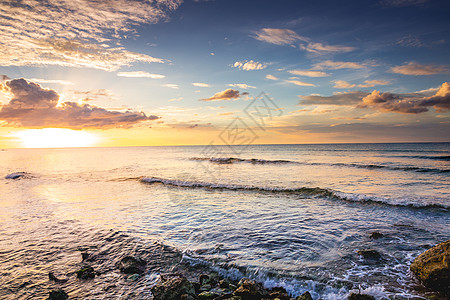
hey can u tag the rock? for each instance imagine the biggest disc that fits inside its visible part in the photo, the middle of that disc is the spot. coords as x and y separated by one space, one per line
203 279
280 293
224 284
354 296
131 265
205 287
52 277
134 277
376 235
370 254
250 290
16 175
86 272
432 268
207 295
304 296
58 295
173 288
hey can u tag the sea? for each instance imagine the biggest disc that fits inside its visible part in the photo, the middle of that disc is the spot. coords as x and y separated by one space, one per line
295 216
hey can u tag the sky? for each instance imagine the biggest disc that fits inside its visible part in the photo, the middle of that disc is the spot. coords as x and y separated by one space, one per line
173 72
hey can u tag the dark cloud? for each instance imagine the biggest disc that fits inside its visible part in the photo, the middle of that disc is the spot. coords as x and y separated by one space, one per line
227 94
349 98
402 103
33 106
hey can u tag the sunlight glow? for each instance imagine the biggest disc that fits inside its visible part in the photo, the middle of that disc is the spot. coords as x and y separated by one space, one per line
55 138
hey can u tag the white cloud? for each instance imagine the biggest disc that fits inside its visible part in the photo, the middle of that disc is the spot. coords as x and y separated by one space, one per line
242 86
171 85
271 77
176 99
336 65
278 36
300 83
415 69
200 84
140 74
81 33
308 73
342 84
55 81
320 48
249 65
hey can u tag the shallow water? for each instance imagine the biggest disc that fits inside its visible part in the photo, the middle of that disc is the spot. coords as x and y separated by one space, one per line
289 215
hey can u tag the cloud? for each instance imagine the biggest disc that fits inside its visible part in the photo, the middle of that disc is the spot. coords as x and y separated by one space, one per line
278 36
401 103
242 86
227 94
337 65
341 84
176 99
35 107
350 98
54 81
402 3
308 73
249 65
300 83
81 33
413 68
140 74
320 48
271 77
171 85
200 84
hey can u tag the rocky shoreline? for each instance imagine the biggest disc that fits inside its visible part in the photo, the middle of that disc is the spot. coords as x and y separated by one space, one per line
180 280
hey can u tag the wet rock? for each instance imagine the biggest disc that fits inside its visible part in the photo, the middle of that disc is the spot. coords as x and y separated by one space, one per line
376 235
58 295
203 279
432 268
205 287
279 293
134 277
370 254
173 288
86 272
207 295
131 265
16 175
354 296
52 277
225 284
250 290
304 296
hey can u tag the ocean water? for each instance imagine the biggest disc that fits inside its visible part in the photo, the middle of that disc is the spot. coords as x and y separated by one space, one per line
286 215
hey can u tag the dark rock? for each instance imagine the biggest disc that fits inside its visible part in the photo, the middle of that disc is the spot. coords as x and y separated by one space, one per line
376 235
432 268
354 296
304 296
84 255
58 295
52 277
86 272
131 265
280 293
205 287
16 175
370 254
250 290
173 288
203 279
224 284
207 295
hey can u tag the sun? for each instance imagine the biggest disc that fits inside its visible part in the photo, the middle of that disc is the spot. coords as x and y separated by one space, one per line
55 138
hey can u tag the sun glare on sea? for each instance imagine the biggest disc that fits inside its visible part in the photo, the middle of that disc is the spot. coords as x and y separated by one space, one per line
55 138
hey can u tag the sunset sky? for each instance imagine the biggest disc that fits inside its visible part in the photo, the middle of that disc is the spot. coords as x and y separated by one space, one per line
162 72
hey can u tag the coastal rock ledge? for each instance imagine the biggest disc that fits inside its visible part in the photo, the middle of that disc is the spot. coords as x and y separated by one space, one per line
432 268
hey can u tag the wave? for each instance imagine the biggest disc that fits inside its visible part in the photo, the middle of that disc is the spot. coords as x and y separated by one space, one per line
301 191
433 157
231 160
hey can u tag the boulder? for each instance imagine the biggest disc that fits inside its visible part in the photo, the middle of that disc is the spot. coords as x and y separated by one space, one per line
354 296
173 288
58 295
370 254
86 272
376 235
132 265
16 175
279 293
304 296
52 277
432 268
207 295
250 290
